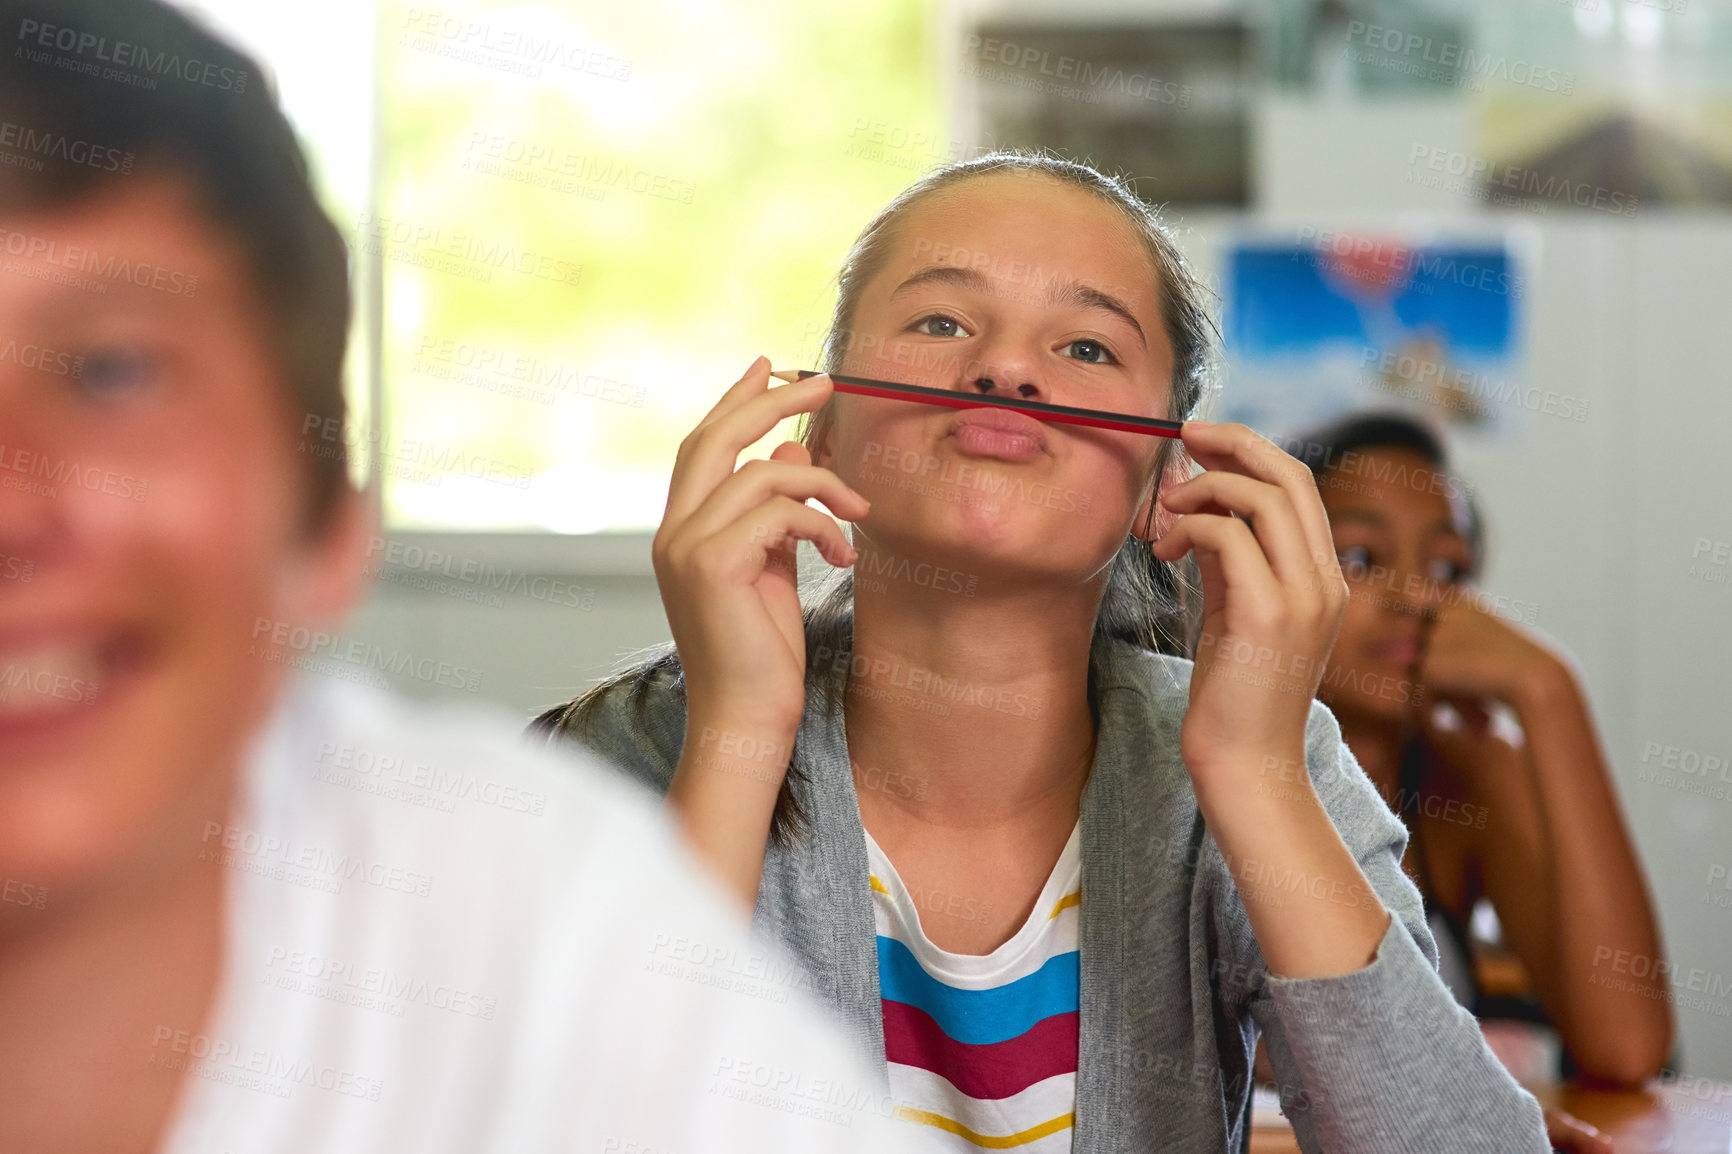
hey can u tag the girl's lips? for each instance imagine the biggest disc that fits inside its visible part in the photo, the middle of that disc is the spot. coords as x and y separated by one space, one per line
1002 433
1404 652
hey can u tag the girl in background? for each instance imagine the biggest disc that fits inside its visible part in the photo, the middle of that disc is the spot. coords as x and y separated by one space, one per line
1528 820
1055 879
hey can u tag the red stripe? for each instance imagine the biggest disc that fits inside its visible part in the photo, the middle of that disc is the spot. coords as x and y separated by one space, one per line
992 1071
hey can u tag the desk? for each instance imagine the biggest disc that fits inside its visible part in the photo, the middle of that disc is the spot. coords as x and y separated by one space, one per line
1691 1117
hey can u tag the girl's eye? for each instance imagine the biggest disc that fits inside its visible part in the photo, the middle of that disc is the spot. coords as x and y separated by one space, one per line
939 325
114 369
1093 352
1355 562
1445 571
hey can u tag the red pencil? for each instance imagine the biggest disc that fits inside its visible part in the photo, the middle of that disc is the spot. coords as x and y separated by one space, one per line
949 398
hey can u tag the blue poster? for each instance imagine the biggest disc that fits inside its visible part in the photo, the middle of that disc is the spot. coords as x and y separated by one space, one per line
1339 322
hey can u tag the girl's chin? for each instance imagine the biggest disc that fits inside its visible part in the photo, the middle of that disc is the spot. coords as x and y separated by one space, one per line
997 551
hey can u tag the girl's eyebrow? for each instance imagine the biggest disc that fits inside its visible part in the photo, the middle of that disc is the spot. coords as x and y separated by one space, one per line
1069 292
1093 298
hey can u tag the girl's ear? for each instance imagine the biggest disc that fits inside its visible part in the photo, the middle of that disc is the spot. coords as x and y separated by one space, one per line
1153 521
817 438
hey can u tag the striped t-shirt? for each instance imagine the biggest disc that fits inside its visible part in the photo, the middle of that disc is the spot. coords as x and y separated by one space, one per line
982 1047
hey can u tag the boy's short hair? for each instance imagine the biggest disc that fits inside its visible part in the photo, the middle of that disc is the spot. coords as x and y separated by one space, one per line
95 93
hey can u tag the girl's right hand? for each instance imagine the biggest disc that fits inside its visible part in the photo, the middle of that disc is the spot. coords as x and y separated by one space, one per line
724 556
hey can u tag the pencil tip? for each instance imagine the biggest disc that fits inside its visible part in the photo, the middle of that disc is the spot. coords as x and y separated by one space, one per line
786 375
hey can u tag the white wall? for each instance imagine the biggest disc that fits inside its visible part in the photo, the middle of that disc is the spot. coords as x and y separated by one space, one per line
1594 522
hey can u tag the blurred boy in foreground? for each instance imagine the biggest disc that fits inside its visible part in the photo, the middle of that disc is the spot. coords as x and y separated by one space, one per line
212 936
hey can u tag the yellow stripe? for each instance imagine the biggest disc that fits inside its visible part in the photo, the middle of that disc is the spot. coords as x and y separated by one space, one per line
1023 1138
877 885
1065 903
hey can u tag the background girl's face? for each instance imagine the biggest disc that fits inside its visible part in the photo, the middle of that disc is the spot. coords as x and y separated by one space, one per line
1402 554
1012 285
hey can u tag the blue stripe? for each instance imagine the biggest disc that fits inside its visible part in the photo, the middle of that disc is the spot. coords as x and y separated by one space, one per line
980 1017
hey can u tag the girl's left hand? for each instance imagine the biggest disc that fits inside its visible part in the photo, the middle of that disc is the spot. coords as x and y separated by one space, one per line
1472 655
1273 596
1569 1133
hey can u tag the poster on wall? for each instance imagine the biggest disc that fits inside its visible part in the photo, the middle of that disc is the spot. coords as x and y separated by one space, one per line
1324 322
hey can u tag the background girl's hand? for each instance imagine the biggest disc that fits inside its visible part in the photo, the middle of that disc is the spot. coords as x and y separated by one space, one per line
1569 1133
1273 594
1472 656
724 554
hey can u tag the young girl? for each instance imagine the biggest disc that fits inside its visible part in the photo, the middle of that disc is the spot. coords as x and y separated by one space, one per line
1058 881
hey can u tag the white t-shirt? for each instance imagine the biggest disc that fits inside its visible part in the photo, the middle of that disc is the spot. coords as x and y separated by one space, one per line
440 939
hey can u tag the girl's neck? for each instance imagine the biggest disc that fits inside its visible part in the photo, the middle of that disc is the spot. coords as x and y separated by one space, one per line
1377 744
977 707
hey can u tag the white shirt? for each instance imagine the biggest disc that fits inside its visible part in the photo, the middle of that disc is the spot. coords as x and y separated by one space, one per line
440 939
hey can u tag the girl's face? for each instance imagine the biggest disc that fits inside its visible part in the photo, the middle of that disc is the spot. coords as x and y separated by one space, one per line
1402 555
1008 285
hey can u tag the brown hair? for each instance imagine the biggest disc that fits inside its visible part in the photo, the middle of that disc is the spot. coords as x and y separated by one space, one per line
182 104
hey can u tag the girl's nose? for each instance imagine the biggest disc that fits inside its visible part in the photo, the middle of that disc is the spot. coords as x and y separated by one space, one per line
1007 375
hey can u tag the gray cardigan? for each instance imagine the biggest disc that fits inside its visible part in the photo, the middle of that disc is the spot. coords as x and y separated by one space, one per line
1174 987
